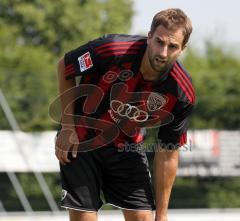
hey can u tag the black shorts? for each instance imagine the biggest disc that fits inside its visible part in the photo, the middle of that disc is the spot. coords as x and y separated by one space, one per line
123 177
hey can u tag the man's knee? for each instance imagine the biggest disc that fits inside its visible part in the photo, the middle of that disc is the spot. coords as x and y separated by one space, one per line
76 215
141 215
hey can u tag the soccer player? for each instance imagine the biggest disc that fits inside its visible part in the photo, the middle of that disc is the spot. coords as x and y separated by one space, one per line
127 83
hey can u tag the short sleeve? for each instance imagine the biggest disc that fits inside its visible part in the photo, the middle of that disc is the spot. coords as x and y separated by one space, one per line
174 134
80 61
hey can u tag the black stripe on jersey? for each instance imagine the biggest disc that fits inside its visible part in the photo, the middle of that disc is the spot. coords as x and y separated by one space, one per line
183 82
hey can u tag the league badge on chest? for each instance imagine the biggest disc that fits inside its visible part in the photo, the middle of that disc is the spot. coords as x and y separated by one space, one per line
85 62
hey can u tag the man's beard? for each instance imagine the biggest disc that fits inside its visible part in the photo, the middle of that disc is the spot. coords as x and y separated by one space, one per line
159 64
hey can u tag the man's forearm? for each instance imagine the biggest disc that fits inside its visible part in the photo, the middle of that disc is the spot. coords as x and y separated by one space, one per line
165 168
66 99
67 138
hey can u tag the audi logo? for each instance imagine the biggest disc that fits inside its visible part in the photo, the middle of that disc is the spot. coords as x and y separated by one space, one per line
127 110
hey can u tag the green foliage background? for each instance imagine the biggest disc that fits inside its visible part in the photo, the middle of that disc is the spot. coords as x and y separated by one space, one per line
216 77
34 34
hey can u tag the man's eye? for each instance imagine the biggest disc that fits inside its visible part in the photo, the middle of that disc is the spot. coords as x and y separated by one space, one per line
173 46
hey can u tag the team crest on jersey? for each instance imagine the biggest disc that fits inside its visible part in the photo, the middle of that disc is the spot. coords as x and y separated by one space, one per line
85 62
155 102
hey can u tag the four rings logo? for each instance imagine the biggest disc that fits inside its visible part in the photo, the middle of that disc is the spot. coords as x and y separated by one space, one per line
127 110
119 109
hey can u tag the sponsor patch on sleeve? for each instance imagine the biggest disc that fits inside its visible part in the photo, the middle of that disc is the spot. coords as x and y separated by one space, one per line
85 62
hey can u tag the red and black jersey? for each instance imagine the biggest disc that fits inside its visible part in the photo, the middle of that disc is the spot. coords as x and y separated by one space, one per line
115 102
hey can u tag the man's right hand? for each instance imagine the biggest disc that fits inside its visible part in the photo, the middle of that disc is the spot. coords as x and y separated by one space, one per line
66 141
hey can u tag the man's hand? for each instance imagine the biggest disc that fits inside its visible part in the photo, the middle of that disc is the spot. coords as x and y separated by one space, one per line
66 141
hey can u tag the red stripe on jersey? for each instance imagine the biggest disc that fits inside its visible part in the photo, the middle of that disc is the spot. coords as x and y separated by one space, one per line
183 139
127 52
143 87
81 129
124 97
105 86
183 84
69 66
117 47
171 101
186 79
118 43
69 70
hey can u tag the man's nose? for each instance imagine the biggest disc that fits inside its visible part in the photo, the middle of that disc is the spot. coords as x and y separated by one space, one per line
163 51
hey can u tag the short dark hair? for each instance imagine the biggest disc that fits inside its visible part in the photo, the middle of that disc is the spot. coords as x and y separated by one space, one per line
172 19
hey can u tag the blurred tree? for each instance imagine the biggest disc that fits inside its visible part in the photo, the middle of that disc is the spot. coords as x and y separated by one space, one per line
34 34
208 192
216 78
60 25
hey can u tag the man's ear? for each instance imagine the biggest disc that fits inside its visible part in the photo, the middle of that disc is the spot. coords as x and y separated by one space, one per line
184 46
149 36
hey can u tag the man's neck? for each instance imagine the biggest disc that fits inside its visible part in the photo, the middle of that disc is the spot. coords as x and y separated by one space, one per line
147 72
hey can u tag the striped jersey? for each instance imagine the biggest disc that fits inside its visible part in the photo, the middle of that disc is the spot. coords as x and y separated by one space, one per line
114 102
